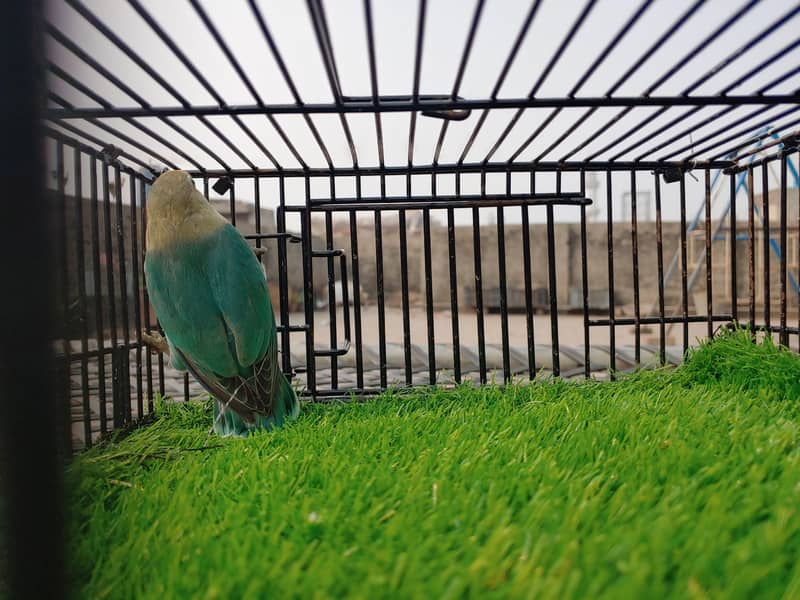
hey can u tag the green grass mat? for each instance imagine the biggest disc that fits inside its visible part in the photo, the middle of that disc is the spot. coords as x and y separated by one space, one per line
681 483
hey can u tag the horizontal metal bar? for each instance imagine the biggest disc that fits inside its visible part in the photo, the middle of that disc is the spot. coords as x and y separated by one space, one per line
442 203
790 140
447 198
657 320
327 253
330 395
387 104
296 328
274 236
765 160
325 352
771 328
496 167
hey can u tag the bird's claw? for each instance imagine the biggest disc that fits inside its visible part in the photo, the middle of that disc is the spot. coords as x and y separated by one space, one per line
156 342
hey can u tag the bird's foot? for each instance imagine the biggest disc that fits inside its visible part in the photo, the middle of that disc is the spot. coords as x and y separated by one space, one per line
156 342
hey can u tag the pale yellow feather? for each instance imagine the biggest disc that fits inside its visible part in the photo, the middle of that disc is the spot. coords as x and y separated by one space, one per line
178 212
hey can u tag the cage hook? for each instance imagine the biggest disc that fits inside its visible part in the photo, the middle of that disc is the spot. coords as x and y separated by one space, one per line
109 154
451 114
791 142
222 185
448 114
672 174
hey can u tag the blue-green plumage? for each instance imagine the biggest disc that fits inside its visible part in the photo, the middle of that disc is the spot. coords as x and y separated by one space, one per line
210 295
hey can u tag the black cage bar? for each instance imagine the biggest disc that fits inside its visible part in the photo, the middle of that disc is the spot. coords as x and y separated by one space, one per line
585 231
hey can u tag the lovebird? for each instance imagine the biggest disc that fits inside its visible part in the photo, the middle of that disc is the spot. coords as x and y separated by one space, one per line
210 295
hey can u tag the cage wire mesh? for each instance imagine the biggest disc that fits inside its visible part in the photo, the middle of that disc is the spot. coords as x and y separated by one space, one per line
439 191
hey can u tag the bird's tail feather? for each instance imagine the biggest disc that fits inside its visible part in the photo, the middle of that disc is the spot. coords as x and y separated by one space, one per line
239 402
285 407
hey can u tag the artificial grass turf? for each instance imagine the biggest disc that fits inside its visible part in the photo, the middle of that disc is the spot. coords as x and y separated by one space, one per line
678 483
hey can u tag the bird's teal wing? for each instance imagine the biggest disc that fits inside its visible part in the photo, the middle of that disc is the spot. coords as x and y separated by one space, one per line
239 289
180 292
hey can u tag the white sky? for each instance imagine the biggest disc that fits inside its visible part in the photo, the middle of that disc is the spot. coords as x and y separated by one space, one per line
447 24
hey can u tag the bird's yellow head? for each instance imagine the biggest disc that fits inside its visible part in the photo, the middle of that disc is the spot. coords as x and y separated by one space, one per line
177 211
171 192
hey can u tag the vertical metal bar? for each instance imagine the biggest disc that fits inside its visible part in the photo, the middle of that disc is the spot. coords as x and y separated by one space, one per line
662 355
257 216
137 310
635 259
345 297
98 294
412 126
232 200
117 389
162 388
125 411
751 249
381 294
126 382
82 305
684 278
112 296
426 248
526 265
332 296
146 297
451 245
476 251
797 292
766 243
501 270
734 265
283 276
381 297
784 336
356 290
612 329
587 365
551 268
476 248
709 297
308 292
404 285
451 254
404 288
63 332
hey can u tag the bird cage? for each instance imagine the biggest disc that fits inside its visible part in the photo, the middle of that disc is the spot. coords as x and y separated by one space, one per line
414 178
440 234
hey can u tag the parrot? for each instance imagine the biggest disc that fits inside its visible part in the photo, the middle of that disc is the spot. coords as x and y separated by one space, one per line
210 295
